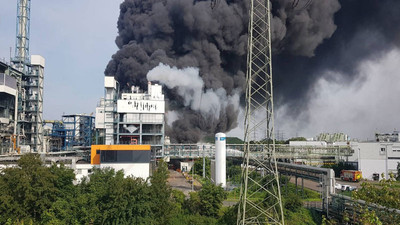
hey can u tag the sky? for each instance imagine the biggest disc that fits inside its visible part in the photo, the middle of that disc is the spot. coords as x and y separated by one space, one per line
77 39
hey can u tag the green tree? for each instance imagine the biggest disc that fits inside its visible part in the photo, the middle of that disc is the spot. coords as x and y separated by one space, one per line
229 215
161 193
27 190
296 139
292 202
192 205
192 219
179 200
206 202
198 167
211 198
109 198
234 173
229 140
64 180
234 140
384 195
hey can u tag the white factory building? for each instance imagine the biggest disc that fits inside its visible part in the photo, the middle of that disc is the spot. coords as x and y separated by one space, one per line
134 117
380 156
372 158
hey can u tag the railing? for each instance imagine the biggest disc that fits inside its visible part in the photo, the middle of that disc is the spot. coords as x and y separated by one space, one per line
236 150
313 205
340 205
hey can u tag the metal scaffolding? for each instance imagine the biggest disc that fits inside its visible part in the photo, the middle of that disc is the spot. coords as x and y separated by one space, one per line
23 29
32 120
29 128
77 130
260 198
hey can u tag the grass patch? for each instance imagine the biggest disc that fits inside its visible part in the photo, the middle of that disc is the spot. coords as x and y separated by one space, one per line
313 200
235 194
394 185
345 193
307 195
302 216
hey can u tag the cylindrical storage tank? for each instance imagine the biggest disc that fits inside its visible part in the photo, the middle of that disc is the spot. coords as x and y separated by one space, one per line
220 159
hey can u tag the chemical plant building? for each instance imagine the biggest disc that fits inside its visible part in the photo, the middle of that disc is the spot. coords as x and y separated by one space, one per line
133 117
8 93
378 157
72 132
21 104
372 158
134 160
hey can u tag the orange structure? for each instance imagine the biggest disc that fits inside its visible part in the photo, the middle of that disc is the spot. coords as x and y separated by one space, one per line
351 175
140 151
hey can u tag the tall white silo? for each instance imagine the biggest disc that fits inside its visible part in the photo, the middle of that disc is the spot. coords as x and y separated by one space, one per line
220 159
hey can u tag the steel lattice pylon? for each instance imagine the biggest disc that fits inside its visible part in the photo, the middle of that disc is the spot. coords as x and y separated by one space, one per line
260 197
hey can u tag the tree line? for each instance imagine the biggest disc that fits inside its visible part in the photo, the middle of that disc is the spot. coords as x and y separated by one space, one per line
32 193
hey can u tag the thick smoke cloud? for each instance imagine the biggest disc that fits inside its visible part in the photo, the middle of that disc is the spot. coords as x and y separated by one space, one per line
300 26
183 34
366 30
358 108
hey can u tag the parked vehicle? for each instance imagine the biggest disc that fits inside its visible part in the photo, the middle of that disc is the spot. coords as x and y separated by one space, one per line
351 175
338 186
346 187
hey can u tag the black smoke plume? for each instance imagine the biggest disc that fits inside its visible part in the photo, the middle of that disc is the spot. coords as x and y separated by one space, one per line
366 29
184 33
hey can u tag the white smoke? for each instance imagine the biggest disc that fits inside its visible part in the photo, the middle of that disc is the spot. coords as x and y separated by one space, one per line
190 87
172 116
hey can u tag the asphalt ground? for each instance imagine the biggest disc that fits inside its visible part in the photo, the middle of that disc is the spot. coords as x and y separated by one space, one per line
177 181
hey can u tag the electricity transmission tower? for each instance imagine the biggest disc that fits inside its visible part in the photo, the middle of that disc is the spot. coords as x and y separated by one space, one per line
260 197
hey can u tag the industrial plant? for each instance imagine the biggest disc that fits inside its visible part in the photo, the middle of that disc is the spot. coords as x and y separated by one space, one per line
129 129
21 89
128 115
134 117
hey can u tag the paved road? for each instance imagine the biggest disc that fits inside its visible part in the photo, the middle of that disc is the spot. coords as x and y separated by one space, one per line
307 184
177 181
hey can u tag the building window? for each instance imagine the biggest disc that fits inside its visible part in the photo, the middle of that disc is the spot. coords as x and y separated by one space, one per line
109 156
383 150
